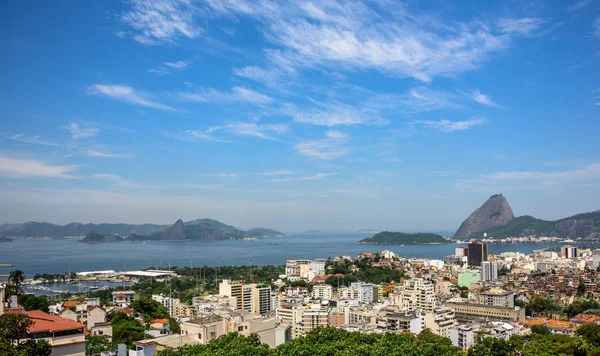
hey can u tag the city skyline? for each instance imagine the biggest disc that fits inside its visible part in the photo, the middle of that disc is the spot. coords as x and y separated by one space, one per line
298 116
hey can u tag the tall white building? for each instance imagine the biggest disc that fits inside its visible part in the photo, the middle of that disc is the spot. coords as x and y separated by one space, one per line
365 291
416 294
489 271
322 291
440 321
569 252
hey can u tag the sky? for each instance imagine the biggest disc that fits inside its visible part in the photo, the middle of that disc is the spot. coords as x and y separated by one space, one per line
296 115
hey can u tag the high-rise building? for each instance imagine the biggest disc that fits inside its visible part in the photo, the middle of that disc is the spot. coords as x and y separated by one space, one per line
248 297
489 271
233 289
568 252
322 291
314 318
477 253
416 294
262 302
440 321
2 299
496 297
461 251
365 291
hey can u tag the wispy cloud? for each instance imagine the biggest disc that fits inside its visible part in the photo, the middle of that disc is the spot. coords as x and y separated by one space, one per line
414 101
35 140
161 21
237 94
79 131
282 172
119 181
317 176
526 26
254 129
166 67
221 175
104 154
127 94
25 168
334 145
483 99
450 126
578 5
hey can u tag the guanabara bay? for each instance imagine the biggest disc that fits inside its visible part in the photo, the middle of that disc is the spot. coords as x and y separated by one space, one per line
296 177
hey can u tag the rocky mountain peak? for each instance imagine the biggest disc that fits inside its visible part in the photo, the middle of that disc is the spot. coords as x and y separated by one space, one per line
174 233
494 212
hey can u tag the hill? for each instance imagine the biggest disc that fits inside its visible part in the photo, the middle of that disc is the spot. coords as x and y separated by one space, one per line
5 239
44 229
94 237
199 230
400 238
262 232
494 212
585 225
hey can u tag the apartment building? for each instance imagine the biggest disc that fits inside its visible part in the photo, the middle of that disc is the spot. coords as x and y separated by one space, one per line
496 297
416 294
440 321
364 291
404 322
322 292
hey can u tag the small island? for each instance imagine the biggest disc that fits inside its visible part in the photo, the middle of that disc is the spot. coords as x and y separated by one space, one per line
93 237
367 231
400 238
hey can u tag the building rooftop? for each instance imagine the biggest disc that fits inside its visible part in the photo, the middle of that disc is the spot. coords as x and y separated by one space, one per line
46 322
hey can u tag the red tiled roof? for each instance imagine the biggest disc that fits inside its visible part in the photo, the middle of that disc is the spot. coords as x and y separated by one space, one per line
161 321
121 295
70 304
45 322
127 311
90 308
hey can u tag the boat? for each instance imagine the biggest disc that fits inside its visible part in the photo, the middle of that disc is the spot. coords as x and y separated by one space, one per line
275 243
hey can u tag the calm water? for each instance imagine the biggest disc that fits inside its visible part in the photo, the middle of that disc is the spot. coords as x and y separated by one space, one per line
53 256
74 287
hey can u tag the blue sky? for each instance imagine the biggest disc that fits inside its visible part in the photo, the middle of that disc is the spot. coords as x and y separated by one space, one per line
335 115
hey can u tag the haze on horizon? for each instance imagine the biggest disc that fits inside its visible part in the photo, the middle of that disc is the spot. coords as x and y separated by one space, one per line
297 115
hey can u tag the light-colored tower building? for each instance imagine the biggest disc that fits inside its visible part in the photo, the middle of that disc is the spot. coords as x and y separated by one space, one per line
569 252
322 291
489 271
2 299
261 299
441 321
416 294
365 291
232 289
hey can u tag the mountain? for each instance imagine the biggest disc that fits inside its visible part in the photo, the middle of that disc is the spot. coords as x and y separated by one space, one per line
174 233
44 229
94 237
5 239
585 225
200 230
262 232
400 238
6 227
493 213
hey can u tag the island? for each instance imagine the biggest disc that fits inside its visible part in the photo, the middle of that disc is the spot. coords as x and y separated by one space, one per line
93 237
401 238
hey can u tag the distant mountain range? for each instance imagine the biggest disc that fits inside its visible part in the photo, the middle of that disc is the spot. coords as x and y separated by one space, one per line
200 229
495 217
400 238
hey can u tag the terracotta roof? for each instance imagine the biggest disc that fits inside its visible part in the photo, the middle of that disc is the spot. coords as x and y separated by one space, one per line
90 308
121 295
45 322
161 321
70 304
586 319
127 310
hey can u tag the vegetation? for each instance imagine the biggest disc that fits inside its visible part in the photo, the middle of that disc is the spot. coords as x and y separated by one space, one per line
126 329
33 302
366 272
543 306
400 238
94 345
17 277
151 309
326 341
12 329
94 237
262 232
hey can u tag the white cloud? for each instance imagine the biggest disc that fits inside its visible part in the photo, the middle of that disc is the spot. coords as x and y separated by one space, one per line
237 94
414 101
527 26
127 94
178 64
591 171
450 126
325 149
161 21
164 69
483 99
282 172
78 131
343 116
24 168
35 140
119 181
221 175
578 5
102 154
317 176
160 71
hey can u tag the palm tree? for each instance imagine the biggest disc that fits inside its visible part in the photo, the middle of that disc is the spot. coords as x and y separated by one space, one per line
17 277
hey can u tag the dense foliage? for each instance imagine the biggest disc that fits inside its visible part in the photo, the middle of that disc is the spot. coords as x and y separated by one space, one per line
365 272
326 341
12 329
151 309
126 329
543 306
33 302
400 238
94 345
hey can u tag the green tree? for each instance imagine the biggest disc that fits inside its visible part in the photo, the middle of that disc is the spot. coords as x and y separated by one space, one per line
126 329
491 346
35 348
150 309
581 289
17 277
95 344
590 332
540 329
13 329
33 302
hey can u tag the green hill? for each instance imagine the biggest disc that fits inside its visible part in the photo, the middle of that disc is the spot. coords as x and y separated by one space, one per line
262 232
94 237
400 238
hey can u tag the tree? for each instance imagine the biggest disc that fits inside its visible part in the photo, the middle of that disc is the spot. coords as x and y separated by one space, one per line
590 332
126 329
491 346
17 277
13 328
95 344
32 302
540 329
150 309
581 289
